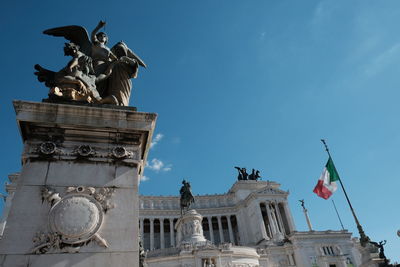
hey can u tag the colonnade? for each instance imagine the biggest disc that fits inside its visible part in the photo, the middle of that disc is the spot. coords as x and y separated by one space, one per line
159 233
277 221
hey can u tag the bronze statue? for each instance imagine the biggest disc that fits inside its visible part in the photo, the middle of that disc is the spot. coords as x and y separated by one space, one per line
104 75
186 196
242 173
255 175
381 248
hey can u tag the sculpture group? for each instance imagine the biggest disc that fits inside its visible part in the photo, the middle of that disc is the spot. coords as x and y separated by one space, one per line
96 73
243 175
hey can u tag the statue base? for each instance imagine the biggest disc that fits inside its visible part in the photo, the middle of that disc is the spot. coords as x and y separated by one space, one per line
189 228
76 202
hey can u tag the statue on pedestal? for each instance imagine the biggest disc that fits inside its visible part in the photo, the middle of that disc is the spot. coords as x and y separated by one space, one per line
255 175
96 74
243 175
187 197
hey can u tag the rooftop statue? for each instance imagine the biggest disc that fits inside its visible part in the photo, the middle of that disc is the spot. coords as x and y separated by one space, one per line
243 175
255 175
96 73
187 197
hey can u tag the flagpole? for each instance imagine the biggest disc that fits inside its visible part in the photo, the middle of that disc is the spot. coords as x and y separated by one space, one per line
364 239
337 213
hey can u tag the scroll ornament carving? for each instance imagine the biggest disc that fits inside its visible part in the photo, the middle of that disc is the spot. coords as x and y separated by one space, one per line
74 219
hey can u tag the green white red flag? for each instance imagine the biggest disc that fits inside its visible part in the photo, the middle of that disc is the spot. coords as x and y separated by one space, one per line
326 185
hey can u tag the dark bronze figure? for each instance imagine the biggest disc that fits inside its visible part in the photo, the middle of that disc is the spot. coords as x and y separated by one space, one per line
302 203
255 175
96 74
242 173
187 197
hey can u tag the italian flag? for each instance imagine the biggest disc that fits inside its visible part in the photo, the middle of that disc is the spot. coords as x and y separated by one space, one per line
327 182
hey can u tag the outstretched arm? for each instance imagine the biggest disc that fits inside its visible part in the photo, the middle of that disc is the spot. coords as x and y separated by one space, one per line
98 27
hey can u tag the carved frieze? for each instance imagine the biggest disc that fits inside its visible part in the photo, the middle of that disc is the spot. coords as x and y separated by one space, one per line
68 151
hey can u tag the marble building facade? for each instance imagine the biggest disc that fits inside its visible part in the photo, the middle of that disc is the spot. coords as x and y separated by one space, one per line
250 225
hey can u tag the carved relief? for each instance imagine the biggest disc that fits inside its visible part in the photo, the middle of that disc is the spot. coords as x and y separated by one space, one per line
48 148
120 152
85 151
74 219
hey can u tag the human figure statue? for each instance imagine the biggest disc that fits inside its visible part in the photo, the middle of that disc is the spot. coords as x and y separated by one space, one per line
187 197
112 69
255 175
142 255
242 173
302 203
100 51
78 76
381 248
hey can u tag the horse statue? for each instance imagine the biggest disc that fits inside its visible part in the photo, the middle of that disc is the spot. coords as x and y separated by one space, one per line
186 196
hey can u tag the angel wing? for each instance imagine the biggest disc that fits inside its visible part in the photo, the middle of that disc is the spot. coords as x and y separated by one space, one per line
76 34
121 49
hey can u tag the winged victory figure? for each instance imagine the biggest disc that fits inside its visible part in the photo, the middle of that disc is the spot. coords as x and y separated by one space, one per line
96 73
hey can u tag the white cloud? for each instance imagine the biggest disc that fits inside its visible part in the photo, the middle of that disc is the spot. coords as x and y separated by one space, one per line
144 178
156 139
157 166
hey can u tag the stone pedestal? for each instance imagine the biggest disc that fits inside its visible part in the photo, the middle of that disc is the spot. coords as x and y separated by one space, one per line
189 229
78 188
370 256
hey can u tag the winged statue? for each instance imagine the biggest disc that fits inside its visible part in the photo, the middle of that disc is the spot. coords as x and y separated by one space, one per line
96 73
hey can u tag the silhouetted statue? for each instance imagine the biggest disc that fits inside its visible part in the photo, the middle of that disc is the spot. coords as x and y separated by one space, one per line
381 248
96 74
242 173
255 175
302 203
186 196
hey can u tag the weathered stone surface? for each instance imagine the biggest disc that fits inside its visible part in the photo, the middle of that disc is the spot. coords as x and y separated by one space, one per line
68 260
87 197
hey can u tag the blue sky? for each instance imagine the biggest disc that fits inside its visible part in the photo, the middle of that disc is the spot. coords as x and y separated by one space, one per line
243 83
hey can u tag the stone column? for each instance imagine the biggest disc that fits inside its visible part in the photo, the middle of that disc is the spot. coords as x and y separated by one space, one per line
151 233
278 235
230 229
141 223
209 219
220 230
171 232
261 221
289 217
270 219
162 233
279 219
